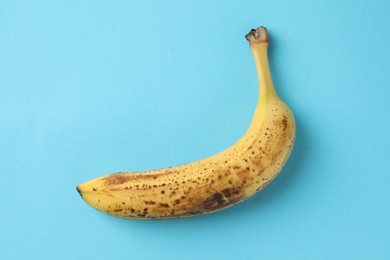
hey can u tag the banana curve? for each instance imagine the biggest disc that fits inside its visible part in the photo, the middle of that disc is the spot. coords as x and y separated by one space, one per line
213 183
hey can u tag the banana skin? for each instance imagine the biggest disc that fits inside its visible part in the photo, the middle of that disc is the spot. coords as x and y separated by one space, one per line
213 183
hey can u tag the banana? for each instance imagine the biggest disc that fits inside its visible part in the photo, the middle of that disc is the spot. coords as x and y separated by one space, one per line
213 183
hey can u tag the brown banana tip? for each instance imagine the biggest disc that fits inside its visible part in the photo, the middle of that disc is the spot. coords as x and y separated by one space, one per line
257 35
79 191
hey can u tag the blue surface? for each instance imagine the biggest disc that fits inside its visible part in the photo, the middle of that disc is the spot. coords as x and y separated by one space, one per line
93 87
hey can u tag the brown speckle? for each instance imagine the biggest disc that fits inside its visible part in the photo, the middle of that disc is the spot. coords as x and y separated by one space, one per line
186 214
215 201
118 178
164 205
230 192
284 123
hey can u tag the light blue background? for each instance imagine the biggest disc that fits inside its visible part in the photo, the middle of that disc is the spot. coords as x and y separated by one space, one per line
94 87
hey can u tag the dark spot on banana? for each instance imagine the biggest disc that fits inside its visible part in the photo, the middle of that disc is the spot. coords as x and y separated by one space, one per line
230 192
185 214
79 191
116 179
284 123
164 205
214 201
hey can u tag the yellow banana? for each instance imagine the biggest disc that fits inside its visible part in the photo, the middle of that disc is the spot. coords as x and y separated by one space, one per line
213 183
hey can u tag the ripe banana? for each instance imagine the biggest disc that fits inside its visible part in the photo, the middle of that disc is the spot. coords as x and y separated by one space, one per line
213 183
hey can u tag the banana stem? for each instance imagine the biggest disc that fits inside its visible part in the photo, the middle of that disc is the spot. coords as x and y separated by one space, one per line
258 40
